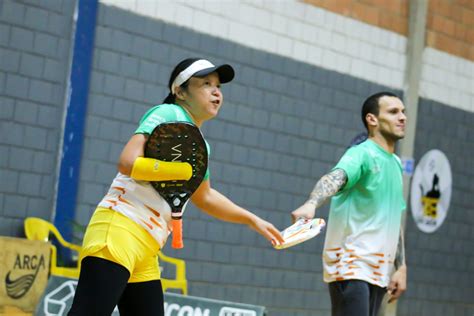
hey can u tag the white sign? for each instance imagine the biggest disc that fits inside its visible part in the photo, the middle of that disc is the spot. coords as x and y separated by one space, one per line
431 191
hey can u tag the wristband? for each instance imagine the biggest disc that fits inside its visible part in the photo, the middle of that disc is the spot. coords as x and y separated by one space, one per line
150 169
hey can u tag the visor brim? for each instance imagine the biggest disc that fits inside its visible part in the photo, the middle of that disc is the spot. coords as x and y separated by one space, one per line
226 72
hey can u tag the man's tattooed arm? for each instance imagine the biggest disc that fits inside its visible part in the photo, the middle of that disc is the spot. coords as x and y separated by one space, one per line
327 186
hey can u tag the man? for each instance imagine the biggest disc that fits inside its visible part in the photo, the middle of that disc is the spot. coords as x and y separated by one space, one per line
364 255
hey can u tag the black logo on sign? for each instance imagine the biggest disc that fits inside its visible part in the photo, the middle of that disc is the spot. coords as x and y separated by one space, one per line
17 288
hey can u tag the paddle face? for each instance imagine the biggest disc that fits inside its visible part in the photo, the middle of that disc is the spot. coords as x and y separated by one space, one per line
183 142
300 231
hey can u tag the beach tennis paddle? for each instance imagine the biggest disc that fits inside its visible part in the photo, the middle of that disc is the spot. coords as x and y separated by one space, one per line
181 142
302 230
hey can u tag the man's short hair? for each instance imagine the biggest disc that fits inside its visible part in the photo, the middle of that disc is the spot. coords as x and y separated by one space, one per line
371 105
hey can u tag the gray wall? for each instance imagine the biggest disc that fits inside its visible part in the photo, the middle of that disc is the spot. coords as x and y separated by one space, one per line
34 50
283 124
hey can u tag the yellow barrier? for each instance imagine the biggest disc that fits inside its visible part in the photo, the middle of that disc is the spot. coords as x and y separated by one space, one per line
179 282
39 229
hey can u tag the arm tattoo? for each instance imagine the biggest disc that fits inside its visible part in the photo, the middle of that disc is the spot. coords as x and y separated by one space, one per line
327 186
400 255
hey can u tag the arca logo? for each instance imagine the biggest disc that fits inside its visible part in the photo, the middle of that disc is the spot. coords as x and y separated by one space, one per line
18 287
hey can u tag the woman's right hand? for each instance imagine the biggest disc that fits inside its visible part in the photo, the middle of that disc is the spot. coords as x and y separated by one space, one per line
267 230
306 210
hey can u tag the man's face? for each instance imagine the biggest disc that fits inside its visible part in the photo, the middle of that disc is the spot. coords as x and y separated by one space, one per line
391 118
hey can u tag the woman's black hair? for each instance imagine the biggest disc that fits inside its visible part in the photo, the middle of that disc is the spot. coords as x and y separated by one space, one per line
371 105
171 98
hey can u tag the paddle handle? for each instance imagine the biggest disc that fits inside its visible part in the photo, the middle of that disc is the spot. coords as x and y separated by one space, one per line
177 241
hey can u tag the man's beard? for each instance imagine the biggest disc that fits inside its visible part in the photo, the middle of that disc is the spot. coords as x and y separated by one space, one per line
392 136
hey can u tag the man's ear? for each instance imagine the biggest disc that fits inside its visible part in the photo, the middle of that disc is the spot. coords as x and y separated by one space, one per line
371 119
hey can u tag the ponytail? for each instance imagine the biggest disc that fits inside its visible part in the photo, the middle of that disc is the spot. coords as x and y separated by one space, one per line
170 99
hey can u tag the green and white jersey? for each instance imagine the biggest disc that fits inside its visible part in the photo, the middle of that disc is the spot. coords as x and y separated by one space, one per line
364 220
138 200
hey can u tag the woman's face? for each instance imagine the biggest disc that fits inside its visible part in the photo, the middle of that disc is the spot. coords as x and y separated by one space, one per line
203 97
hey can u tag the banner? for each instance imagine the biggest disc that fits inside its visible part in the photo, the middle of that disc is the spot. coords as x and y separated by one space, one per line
431 189
59 294
180 305
24 267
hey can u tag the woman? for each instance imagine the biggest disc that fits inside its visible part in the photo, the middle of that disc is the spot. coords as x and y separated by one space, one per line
130 225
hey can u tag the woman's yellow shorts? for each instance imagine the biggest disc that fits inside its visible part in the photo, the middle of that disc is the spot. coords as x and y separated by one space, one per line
114 237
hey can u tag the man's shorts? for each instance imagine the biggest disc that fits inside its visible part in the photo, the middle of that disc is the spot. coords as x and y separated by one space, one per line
114 237
355 297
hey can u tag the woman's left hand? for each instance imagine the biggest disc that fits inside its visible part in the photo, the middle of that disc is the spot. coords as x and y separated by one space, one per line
267 230
215 204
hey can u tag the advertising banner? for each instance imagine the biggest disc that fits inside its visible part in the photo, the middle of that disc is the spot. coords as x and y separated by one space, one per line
24 267
431 189
59 295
